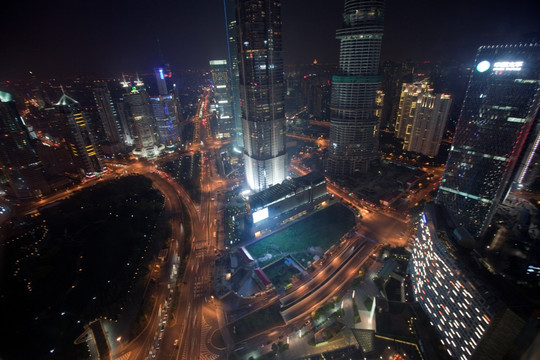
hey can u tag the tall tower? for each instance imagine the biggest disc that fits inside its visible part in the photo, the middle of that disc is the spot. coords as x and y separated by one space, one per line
262 91
79 137
19 164
498 113
407 105
354 125
109 117
141 118
165 111
222 95
430 118
231 27
161 72
422 118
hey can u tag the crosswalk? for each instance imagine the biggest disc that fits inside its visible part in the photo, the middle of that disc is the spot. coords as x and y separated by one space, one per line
202 284
206 354
124 356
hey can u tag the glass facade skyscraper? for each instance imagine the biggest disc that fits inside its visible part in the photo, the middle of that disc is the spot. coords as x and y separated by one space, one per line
500 107
79 137
222 94
231 27
354 125
20 167
445 289
262 91
109 117
165 111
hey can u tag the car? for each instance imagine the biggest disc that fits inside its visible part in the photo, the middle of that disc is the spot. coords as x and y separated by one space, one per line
175 343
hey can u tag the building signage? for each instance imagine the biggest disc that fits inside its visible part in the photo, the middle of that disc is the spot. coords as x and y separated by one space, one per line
508 66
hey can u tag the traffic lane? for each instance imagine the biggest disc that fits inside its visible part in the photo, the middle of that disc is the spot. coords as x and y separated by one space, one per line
331 265
341 279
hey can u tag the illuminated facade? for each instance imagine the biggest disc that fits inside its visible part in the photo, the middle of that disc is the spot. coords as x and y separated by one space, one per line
407 105
21 170
262 92
447 293
79 137
141 118
222 96
498 113
231 28
165 111
429 121
287 201
354 125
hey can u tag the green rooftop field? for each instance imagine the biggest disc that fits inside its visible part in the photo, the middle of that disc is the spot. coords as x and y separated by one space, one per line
303 240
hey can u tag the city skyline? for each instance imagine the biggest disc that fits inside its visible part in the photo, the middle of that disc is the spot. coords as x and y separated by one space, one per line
271 202
129 33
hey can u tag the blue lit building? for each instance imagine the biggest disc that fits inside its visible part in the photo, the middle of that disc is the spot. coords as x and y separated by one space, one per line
165 110
497 116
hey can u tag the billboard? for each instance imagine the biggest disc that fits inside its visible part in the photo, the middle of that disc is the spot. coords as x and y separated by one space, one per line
260 215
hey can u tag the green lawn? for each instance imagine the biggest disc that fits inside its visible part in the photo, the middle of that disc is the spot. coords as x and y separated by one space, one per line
306 238
256 322
280 274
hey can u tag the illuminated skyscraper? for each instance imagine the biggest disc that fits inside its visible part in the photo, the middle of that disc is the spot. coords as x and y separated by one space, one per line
79 137
20 167
231 28
468 317
165 111
498 113
109 117
223 96
140 114
262 91
354 125
422 118
407 106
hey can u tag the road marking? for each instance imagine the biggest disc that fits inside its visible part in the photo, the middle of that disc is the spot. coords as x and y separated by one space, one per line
205 353
124 357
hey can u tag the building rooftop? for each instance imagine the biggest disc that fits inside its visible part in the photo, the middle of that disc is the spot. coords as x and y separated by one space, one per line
287 187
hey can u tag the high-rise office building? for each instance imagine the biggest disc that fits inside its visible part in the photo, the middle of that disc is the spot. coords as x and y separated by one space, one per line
231 28
141 118
468 317
422 118
498 113
262 90
21 171
109 118
222 95
165 111
125 123
407 106
430 118
79 137
354 125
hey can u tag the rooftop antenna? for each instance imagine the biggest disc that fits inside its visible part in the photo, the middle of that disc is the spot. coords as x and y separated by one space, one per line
160 53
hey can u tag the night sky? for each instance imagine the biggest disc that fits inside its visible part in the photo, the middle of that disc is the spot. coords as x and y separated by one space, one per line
101 38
